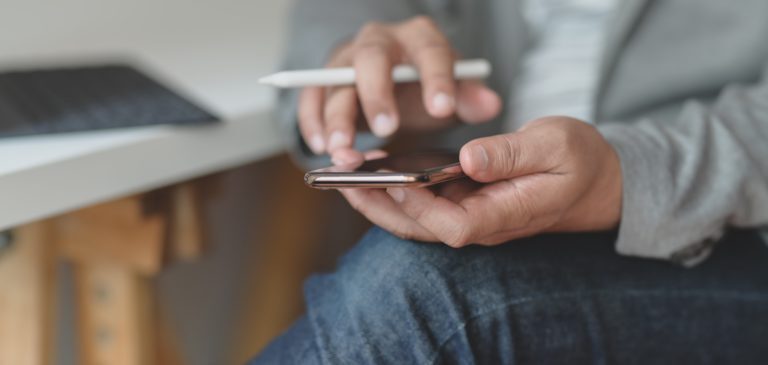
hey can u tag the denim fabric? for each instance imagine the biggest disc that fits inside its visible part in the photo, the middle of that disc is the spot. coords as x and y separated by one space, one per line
547 299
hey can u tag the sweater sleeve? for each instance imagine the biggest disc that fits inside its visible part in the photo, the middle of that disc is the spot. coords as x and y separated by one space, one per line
687 179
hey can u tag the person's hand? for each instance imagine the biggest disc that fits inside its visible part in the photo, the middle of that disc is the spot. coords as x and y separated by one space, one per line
328 116
554 174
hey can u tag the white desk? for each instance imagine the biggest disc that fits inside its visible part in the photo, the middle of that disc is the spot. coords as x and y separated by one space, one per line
213 51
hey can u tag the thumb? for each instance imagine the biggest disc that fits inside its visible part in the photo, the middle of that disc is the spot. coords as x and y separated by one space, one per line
504 156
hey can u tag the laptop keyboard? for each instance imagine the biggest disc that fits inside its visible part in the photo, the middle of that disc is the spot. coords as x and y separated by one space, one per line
89 98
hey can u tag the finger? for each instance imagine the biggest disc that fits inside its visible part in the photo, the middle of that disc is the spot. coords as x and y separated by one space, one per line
506 236
538 223
340 116
443 218
433 55
379 208
507 155
476 102
489 210
352 158
310 112
375 154
376 53
347 157
457 190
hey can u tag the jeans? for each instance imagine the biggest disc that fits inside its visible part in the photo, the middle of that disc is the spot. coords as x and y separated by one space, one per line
548 299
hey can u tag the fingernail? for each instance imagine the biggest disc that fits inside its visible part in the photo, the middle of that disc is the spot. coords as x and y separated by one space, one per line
398 194
338 139
442 104
336 160
345 157
383 125
479 157
317 144
375 155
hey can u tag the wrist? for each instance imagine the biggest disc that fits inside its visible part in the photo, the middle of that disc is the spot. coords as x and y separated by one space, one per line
599 206
613 190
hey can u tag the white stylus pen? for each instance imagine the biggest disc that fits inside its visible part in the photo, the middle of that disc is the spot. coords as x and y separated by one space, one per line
462 70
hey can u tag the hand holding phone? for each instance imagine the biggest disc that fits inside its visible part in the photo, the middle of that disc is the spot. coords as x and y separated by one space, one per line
407 170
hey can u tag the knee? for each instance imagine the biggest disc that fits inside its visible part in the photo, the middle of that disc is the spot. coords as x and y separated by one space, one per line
385 269
387 285
384 264
384 286
386 277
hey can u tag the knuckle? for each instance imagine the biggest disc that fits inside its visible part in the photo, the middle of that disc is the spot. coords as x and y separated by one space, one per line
417 214
309 98
372 38
355 204
432 47
342 56
571 139
549 221
337 121
509 154
439 76
423 21
402 233
523 216
562 139
375 94
586 133
459 236
375 98
520 207
536 123
456 242
337 117
370 48
371 28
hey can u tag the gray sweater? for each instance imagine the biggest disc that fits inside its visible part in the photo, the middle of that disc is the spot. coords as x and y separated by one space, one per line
683 97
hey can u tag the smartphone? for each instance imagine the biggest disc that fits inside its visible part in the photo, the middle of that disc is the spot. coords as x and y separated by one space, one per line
407 170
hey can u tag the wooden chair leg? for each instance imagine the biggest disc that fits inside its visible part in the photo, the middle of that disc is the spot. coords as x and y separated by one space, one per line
116 249
115 315
118 232
187 236
27 292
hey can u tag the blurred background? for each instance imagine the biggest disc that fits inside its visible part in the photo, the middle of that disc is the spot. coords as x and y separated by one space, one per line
264 231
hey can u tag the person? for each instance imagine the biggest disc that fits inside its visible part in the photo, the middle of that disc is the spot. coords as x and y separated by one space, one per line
614 205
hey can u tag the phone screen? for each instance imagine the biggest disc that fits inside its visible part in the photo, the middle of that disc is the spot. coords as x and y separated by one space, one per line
410 163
